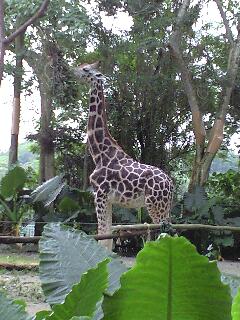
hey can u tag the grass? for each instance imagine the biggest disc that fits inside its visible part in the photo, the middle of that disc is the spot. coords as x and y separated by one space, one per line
19 259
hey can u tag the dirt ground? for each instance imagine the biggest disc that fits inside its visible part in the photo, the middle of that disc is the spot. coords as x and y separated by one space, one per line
229 267
26 284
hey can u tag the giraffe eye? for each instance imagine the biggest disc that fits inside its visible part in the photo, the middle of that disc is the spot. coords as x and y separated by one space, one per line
85 69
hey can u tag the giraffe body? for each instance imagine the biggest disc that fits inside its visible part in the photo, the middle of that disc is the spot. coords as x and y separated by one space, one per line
117 178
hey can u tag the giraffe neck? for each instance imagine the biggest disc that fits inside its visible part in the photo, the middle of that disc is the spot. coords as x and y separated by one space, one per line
97 129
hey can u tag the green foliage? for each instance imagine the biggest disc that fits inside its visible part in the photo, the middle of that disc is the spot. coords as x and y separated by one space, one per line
196 207
236 307
225 187
196 201
81 318
153 263
41 315
68 205
13 182
148 108
63 203
170 280
12 199
164 285
61 250
84 297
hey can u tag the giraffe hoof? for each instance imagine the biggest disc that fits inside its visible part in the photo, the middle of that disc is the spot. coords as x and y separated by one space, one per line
166 227
108 243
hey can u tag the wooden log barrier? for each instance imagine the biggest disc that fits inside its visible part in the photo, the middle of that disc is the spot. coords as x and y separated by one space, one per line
147 226
128 231
119 234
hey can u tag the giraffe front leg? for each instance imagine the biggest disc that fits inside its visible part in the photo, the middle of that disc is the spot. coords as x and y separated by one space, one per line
104 218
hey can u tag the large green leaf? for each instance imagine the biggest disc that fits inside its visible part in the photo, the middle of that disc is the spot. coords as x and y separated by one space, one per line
65 254
12 182
170 281
41 315
9 310
81 318
236 307
84 297
49 190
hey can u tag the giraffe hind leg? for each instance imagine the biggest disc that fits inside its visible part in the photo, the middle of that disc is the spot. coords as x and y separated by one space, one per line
159 212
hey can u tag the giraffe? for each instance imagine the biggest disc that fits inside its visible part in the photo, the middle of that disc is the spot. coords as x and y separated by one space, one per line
117 178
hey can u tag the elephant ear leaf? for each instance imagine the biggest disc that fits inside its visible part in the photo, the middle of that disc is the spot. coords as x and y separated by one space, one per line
170 281
236 307
81 318
65 254
83 300
12 182
49 190
10 310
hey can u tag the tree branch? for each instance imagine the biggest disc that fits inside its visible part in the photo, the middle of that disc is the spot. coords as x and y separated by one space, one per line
198 125
216 135
232 69
225 21
39 13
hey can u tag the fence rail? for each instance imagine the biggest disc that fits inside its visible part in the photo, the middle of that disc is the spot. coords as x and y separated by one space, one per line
146 226
128 231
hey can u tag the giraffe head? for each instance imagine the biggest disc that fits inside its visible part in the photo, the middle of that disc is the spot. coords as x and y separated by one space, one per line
89 73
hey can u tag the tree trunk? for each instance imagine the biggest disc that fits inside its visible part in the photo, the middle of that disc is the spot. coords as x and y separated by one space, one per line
13 151
47 170
2 46
42 66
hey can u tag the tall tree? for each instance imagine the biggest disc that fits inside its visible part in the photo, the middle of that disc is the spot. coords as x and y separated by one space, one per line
61 26
206 150
146 103
18 37
41 64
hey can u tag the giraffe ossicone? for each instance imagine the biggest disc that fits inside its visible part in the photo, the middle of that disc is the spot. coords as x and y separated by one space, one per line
117 178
